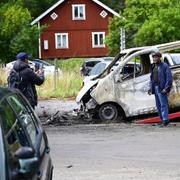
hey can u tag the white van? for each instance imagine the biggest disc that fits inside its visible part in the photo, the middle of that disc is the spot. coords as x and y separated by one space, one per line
114 95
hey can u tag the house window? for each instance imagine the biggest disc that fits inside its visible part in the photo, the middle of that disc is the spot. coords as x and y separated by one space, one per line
98 39
78 12
61 40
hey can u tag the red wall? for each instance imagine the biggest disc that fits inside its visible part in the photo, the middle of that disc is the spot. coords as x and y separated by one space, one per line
80 37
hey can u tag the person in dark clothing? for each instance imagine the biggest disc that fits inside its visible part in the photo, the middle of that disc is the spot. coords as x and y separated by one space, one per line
160 85
30 78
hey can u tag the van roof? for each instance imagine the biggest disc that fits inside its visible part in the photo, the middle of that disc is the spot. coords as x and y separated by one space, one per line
162 47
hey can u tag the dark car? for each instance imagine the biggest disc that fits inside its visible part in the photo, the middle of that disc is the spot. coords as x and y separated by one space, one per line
24 148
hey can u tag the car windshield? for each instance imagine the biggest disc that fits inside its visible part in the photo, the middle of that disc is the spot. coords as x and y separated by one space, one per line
176 59
97 69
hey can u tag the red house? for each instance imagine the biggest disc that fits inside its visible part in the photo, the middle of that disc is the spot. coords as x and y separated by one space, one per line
76 28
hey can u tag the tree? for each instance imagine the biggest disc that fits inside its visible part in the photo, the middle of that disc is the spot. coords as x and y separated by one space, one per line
116 5
144 19
16 34
163 26
113 38
37 7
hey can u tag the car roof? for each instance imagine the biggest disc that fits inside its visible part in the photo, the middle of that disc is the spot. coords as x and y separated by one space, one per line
106 58
93 59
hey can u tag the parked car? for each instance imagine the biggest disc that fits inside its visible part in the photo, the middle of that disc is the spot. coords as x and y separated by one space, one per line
24 148
48 68
172 59
90 63
10 65
35 64
114 95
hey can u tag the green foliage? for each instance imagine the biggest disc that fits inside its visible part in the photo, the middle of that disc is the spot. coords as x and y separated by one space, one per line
163 27
72 64
37 7
116 5
68 83
25 41
16 34
113 39
145 19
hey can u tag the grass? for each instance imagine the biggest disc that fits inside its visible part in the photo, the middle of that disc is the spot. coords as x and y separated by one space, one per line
3 77
65 85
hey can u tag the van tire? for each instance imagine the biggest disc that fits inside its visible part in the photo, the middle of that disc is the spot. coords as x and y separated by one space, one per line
108 112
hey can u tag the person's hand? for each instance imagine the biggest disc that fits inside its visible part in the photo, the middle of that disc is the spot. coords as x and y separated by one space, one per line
164 91
149 92
40 72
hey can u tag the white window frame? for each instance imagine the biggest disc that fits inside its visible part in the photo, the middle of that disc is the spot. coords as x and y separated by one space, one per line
67 40
46 45
99 45
73 12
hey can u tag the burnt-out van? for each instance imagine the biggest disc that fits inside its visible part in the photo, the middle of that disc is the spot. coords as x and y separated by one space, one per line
115 95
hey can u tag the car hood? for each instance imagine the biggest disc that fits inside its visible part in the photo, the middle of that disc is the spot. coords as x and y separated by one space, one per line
85 89
88 78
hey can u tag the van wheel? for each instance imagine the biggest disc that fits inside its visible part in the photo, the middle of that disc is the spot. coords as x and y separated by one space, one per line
108 112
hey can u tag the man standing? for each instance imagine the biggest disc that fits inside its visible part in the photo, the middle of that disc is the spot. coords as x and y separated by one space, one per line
29 78
160 86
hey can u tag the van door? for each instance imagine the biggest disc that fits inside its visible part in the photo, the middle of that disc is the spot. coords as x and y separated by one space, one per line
132 91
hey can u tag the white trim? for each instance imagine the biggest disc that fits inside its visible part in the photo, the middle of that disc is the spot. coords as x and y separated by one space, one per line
46 45
61 1
93 42
39 26
103 14
56 40
54 16
84 11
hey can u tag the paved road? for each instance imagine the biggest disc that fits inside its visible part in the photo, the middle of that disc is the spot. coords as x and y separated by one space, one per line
115 152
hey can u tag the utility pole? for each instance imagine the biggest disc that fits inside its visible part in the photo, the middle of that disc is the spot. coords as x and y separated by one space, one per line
122 39
55 74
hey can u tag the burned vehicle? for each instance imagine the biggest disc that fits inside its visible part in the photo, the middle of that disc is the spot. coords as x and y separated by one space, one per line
115 95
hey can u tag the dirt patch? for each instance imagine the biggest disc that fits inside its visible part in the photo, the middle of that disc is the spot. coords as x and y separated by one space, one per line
59 112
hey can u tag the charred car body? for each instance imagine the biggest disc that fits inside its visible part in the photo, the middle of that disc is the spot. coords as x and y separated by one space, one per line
114 95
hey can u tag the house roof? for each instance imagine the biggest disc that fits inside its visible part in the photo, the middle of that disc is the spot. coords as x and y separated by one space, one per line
61 1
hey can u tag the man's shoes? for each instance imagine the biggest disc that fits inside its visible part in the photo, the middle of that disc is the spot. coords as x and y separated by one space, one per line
164 123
